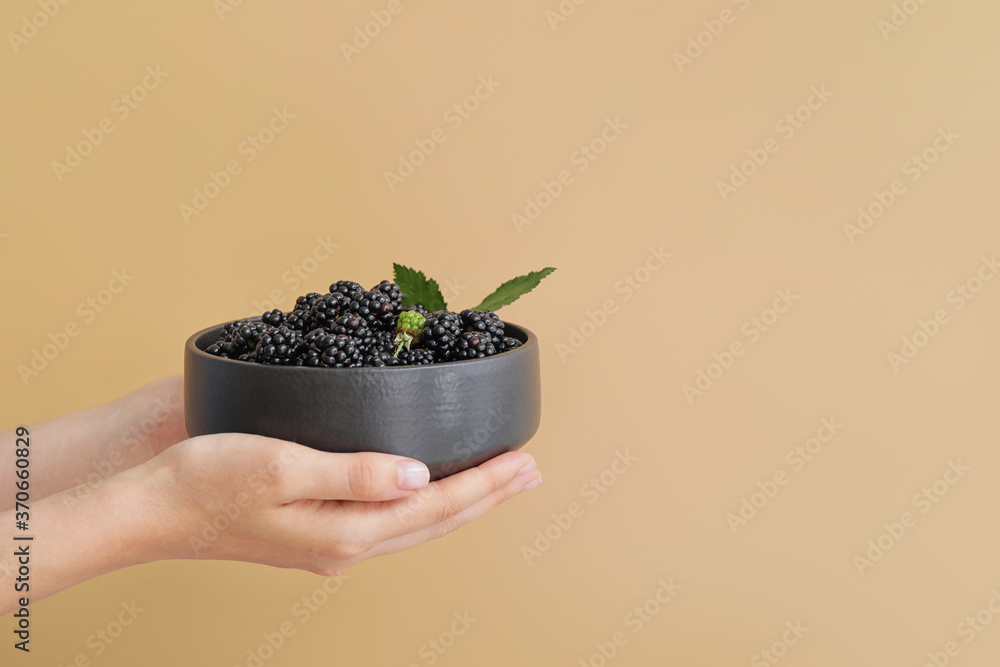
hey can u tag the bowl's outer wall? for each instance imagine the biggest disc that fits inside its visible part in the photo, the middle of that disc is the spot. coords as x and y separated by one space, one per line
450 416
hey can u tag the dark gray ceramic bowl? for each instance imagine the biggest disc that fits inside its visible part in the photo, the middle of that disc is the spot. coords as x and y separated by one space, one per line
451 416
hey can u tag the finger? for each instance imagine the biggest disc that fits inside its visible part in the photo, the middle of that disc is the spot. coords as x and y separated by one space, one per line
441 500
310 474
521 483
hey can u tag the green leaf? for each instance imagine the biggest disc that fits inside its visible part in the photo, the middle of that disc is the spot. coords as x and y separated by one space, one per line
418 288
513 289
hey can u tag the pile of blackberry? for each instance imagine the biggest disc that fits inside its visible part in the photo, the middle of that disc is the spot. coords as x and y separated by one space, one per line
351 327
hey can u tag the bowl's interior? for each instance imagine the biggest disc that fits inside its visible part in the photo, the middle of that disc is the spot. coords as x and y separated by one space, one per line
209 336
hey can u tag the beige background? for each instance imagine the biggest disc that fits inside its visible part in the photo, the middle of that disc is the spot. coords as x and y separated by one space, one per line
622 390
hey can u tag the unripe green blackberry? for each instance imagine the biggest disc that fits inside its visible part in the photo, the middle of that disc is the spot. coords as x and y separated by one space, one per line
408 327
411 322
418 308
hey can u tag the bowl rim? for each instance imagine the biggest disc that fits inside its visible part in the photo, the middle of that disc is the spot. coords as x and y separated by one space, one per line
192 348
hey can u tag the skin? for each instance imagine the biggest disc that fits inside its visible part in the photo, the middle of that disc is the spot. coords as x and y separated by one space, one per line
155 494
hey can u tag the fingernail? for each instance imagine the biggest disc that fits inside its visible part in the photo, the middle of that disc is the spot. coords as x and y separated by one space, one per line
413 475
532 484
530 465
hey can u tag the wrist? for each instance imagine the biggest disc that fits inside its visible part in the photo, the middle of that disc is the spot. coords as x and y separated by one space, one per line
96 529
144 508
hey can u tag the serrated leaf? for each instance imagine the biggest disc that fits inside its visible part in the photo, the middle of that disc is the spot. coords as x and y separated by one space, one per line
418 288
513 289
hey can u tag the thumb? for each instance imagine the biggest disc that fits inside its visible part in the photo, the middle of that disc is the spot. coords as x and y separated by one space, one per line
366 476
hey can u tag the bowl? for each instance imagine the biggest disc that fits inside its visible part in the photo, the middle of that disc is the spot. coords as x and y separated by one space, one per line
451 416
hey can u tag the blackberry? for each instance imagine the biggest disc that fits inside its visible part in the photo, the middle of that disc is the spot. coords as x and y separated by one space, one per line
392 291
485 322
382 344
348 288
244 339
353 327
441 330
507 343
279 347
232 328
473 345
380 351
326 309
374 308
309 358
300 319
273 318
237 338
312 352
337 352
415 357
313 334
216 350
385 338
306 301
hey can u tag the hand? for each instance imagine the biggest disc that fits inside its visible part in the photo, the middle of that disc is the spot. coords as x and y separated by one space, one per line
256 499
228 496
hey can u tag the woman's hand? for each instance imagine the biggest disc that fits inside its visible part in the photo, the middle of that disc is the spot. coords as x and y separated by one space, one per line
249 498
